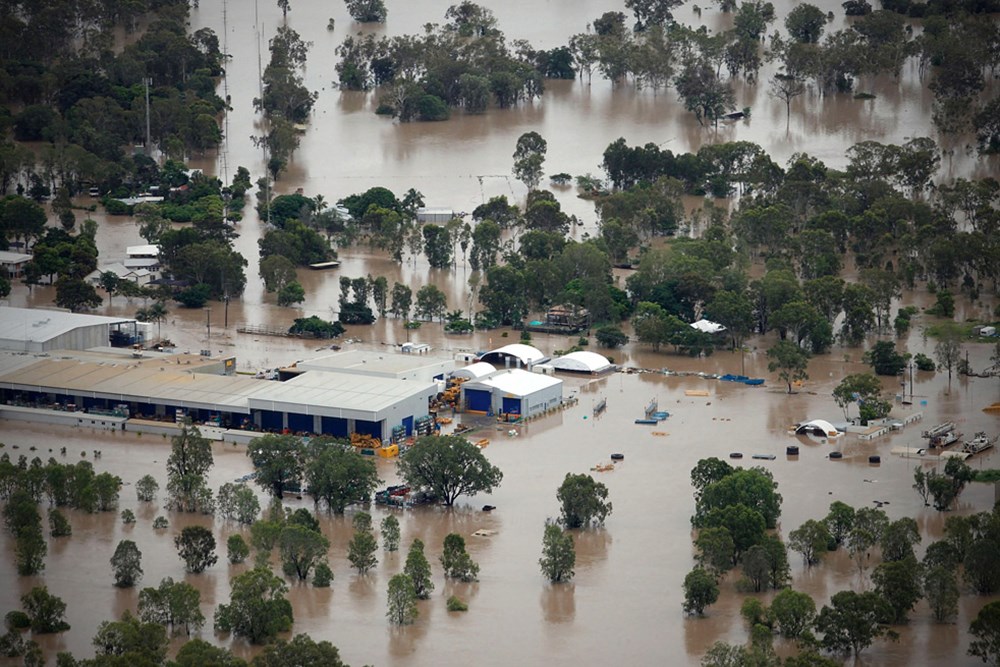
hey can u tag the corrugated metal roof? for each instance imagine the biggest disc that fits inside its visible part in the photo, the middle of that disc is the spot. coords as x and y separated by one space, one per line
152 381
159 381
39 326
338 391
374 362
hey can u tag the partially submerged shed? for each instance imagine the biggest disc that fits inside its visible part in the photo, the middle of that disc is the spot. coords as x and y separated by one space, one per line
512 393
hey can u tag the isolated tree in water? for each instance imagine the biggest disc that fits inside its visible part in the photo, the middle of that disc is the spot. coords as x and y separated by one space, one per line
126 563
390 533
456 561
558 554
583 501
196 547
367 11
257 609
187 466
790 361
700 591
419 570
448 466
402 600
362 547
529 157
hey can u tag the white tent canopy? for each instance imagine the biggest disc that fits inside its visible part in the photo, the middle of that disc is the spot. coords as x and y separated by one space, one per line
582 362
819 427
708 326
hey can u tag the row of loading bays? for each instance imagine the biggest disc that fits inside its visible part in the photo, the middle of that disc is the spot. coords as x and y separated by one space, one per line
480 400
334 426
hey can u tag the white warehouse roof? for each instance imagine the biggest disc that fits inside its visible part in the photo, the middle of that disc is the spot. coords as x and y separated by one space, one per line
480 369
582 362
381 364
38 326
338 394
518 382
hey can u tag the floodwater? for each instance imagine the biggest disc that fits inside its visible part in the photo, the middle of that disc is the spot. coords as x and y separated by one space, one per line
624 605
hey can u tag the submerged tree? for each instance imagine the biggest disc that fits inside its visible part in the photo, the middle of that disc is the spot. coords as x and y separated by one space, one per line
258 608
402 600
448 466
418 569
583 501
529 156
187 467
126 564
558 554
456 561
196 547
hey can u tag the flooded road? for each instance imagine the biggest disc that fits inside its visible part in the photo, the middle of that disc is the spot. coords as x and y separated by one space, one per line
624 604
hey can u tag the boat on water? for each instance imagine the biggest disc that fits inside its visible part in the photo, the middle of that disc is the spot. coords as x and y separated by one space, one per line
981 442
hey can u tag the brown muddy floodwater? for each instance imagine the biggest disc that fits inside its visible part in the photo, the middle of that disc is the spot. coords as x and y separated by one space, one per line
624 605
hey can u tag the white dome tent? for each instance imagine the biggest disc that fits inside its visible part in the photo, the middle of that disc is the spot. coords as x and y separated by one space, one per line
582 362
475 371
515 355
818 427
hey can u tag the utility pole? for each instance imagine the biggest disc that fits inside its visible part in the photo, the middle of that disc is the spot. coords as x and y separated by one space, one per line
208 325
149 143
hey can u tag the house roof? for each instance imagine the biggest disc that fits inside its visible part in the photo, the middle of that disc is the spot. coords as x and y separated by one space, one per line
582 362
8 257
37 326
141 250
119 270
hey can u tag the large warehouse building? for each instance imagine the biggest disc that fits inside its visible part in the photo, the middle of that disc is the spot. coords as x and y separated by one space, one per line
157 388
512 392
34 330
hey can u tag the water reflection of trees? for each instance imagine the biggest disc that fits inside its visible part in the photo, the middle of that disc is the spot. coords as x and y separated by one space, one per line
403 640
558 603
591 546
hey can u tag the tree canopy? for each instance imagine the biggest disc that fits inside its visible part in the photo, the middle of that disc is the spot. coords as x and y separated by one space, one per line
447 467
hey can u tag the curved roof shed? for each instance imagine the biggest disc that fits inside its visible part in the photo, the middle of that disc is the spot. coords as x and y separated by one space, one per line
515 354
475 371
582 362
819 427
